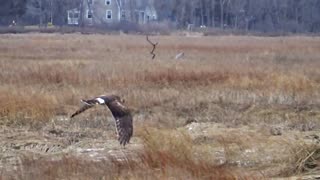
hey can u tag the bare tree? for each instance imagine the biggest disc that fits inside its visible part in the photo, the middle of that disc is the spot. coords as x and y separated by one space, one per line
153 47
223 4
119 5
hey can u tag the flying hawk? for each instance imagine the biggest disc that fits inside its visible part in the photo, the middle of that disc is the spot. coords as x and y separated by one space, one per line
121 114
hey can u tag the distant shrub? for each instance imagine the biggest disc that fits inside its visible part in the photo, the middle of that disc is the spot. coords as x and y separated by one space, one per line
163 28
13 30
134 28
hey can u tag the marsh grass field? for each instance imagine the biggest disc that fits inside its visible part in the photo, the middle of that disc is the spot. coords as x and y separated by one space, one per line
234 107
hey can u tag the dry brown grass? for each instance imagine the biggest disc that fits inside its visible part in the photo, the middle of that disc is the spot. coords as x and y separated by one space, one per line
254 81
170 156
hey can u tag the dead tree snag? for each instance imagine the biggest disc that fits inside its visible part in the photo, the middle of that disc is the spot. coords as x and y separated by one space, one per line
153 47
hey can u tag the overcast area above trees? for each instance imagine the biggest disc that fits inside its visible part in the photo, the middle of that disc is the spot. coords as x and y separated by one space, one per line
301 16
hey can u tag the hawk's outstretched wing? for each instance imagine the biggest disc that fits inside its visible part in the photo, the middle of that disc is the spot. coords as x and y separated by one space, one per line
123 120
87 105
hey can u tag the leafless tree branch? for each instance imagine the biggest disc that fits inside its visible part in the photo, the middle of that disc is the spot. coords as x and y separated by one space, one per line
153 47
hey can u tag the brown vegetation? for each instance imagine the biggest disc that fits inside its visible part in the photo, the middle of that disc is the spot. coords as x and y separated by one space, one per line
254 82
157 161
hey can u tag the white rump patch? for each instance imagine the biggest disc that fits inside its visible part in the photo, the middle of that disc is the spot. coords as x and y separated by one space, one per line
100 100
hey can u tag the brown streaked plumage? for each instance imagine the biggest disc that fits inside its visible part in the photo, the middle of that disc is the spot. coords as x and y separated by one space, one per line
121 114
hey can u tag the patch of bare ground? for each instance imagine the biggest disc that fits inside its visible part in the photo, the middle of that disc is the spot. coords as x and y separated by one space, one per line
234 107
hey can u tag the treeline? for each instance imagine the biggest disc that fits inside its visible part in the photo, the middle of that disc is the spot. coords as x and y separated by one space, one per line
36 12
297 16
251 15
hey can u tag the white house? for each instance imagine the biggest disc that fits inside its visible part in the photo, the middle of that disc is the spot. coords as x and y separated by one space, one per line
96 12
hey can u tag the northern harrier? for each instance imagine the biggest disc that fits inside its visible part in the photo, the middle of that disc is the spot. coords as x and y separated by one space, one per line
121 114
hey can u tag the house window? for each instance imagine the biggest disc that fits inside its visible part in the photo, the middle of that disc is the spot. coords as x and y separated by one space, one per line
108 2
89 14
109 14
73 17
76 15
123 15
